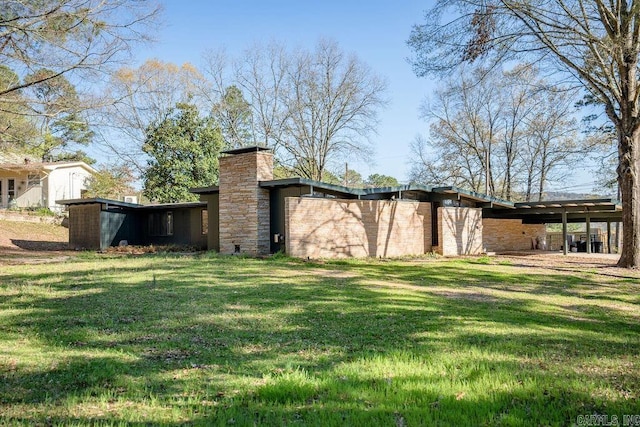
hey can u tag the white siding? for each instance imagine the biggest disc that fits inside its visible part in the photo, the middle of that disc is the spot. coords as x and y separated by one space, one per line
65 183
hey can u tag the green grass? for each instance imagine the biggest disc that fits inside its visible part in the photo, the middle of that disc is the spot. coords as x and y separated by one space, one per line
208 340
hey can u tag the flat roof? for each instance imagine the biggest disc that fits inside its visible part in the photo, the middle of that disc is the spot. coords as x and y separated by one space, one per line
243 150
117 203
555 204
551 211
205 190
95 200
425 189
302 182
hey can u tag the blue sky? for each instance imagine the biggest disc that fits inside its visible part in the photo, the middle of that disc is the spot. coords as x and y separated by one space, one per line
376 31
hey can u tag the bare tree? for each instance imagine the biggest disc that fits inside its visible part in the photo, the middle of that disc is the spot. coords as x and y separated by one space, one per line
333 103
261 73
552 141
312 107
503 133
141 97
69 37
466 116
593 43
47 42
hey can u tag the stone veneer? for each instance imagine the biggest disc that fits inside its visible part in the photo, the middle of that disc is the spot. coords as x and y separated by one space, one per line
338 228
244 206
502 235
459 231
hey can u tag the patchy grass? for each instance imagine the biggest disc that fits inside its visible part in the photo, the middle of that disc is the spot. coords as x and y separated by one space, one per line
208 340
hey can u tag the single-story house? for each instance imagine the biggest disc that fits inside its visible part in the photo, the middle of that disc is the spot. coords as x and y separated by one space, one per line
251 213
26 183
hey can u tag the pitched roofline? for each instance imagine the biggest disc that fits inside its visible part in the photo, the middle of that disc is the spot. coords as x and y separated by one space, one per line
60 165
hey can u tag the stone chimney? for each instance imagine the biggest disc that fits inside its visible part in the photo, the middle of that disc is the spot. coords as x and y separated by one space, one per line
244 206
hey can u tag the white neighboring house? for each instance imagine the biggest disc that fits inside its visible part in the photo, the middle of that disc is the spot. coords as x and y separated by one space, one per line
27 183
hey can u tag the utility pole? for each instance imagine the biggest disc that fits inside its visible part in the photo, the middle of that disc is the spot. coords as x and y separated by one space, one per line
346 171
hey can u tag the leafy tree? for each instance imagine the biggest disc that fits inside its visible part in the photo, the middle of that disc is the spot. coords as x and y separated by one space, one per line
378 180
72 156
57 107
111 182
351 178
16 128
183 152
594 43
233 113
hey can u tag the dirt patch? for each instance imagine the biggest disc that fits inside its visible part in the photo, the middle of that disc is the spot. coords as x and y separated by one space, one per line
602 264
30 242
468 296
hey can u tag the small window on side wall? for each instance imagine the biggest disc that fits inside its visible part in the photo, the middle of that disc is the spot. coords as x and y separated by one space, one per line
204 220
33 181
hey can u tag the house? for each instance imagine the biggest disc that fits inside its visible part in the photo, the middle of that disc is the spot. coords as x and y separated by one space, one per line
251 213
101 223
27 183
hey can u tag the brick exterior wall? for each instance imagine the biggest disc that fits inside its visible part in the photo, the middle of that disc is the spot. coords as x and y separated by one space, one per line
335 228
502 235
459 231
84 227
243 205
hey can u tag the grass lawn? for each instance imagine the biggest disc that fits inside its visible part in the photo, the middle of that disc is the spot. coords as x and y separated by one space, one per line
208 340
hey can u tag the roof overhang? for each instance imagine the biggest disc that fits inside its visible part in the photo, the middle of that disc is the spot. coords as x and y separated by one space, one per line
23 167
62 165
548 212
243 150
133 206
337 190
205 190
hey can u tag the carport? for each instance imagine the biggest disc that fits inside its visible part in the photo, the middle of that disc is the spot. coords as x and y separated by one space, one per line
564 212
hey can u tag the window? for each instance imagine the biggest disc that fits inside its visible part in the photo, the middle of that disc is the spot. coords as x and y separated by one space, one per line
11 192
33 181
204 219
161 223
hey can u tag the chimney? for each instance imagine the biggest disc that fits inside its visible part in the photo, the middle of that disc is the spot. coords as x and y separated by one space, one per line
244 206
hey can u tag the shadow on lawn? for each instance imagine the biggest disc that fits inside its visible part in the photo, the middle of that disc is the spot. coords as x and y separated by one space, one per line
40 245
203 318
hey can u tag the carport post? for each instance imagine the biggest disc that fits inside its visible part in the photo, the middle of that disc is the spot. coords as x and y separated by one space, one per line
608 236
588 234
564 232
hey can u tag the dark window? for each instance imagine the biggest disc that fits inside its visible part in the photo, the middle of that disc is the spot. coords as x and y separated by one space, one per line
204 217
434 223
161 224
11 184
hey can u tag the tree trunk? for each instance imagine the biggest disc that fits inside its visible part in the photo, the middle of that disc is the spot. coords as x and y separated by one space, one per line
628 178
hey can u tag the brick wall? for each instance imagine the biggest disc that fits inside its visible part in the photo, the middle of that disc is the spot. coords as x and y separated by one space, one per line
459 231
336 228
243 205
84 226
502 235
